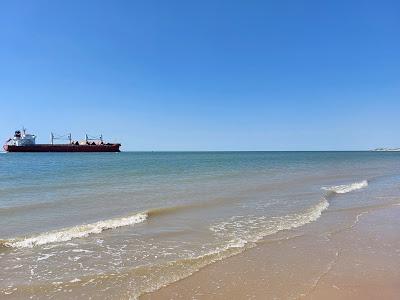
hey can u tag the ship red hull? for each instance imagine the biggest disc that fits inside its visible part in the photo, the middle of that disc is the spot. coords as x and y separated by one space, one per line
63 148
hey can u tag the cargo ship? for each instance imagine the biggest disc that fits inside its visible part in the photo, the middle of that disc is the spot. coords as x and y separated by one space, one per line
26 142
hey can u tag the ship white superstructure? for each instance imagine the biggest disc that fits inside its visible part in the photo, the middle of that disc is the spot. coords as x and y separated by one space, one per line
22 139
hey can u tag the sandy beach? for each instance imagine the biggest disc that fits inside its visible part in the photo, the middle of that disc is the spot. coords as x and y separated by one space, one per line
358 261
268 225
208 150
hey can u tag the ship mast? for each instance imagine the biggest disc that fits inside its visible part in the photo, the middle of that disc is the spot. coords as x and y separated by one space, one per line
60 137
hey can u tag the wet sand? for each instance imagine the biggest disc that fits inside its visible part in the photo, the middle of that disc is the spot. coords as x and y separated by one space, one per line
201 225
360 260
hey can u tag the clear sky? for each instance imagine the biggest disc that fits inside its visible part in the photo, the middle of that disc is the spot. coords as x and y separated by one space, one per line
204 75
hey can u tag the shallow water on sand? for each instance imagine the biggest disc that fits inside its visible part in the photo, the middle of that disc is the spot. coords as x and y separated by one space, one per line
122 224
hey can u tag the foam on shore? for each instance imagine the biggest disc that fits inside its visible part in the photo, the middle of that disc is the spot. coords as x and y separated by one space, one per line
235 241
70 233
347 188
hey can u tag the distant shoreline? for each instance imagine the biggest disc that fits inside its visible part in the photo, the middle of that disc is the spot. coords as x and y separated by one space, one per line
387 149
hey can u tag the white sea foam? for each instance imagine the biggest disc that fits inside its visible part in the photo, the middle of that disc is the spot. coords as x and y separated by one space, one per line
45 256
243 230
347 188
239 233
78 231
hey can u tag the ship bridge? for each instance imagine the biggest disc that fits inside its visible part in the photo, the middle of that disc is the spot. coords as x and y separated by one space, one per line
22 138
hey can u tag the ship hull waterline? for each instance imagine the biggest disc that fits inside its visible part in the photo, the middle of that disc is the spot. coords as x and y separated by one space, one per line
63 148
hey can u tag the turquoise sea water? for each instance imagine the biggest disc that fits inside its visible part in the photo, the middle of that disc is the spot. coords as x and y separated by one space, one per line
132 222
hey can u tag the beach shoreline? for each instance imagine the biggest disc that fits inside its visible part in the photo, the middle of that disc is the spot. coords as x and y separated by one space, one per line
200 225
357 262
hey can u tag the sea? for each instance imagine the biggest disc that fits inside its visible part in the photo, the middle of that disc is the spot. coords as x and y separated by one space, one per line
120 225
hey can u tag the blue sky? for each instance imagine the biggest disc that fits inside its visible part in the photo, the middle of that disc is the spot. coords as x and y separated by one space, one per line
204 75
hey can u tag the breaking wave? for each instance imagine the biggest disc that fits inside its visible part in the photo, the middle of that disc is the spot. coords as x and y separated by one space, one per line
81 231
347 188
235 239
274 224
70 233
243 230
238 241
